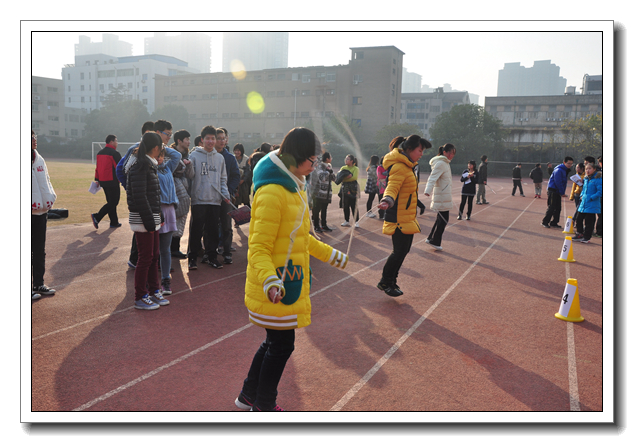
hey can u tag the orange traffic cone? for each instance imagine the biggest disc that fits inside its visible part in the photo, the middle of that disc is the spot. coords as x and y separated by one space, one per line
569 309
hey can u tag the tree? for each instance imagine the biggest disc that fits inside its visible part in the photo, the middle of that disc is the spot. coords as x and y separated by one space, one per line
388 133
117 94
123 119
178 116
584 135
471 129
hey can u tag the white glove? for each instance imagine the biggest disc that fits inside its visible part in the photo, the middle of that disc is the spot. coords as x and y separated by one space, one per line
338 259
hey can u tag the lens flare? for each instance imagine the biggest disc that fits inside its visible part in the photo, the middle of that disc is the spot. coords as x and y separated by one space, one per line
255 102
237 69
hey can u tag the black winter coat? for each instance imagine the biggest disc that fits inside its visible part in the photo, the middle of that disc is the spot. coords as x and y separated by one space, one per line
537 175
482 173
144 196
469 188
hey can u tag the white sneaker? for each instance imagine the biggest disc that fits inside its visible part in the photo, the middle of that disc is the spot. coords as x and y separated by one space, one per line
356 225
372 215
345 224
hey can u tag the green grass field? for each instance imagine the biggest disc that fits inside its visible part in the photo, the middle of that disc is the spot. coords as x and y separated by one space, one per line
71 180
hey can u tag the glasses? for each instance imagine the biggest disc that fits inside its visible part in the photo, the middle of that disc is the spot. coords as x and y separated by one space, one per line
312 162
167 134
34 137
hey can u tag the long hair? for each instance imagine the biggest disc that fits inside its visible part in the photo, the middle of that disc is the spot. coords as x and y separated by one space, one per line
410 143
149 141
374 160
447 147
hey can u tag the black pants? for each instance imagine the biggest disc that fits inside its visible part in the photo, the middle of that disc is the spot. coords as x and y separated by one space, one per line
205 217
134 252
226 230
554 208
368 205
401 244
600 220
113 194
320 212
585 224
466 199
517 183
267 368
38 247
435 236
349 204
381 211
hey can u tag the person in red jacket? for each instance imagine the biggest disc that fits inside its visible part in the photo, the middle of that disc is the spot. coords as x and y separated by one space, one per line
105 174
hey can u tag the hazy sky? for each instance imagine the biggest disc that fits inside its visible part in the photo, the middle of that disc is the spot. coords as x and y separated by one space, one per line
467 56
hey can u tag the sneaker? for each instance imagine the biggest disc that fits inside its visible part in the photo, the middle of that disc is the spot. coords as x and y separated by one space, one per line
35 295
244 402
227 260
427 241
356 225
146 304
275 409
478 203
326 228
232 249
215 263
346 223
436 247
157 298
192 264
319 229
522 195
539 196
585 240
205 259
535 196
95 223
544 225
131 265
372 215
393 291
555 226
577 237
468 217
382 285
485 203
219 250
179 255
115 225
44 290
597 235
459 217
165 287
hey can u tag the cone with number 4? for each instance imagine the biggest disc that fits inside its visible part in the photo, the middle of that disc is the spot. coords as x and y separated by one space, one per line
566 251
569 309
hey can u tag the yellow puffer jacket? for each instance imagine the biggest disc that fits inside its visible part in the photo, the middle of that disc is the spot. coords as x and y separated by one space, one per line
402 189
280 212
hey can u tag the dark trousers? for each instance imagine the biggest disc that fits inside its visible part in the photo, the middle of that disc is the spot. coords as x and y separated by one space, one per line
113 194
320 211
38 247
469 200
517 183
205 217
267 367
349 205
134 251
600 220
554 208
401 244
585 224
435 236
146 272
381 211
226 230
368 205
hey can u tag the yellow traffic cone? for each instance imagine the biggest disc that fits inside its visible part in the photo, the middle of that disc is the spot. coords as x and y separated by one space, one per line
569 309
566 251
568 229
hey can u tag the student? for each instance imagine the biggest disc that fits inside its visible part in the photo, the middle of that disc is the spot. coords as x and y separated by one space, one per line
321 191
349 189
371 187
280 245
398 203
105 173
208 190
439 184
517 179
556 190
144 203
482 181
469 179
42 198
233 180
575 192
381 175
590 205
599 231
537 175
244 187
168 161
182 176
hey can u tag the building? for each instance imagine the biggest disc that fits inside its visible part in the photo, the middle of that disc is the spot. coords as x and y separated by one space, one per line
367 90
592 84
538 119
88 82
542 79
49 116
411 81
422 109
110 45
191 47
255 50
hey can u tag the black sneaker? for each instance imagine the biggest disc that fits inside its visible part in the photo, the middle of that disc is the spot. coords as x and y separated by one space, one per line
228 260
544 225
382 285
326 228
555 225
244 402
393 291
43 290
577 237
215 263
192 264
205 260
179 255
319 230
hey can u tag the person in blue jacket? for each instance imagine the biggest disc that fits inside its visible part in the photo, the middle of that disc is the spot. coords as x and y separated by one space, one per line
591 194
556 190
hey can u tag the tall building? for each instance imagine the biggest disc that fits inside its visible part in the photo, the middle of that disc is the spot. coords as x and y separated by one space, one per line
256 50
110 45
367 90
592 85
542 79
191 47
411 81
422 109
49 116
91 78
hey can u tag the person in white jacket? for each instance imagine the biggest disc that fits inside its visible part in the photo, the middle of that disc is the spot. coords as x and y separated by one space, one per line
439 186
42 199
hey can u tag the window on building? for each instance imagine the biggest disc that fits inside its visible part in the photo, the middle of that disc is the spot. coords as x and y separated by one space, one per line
280 93
305 92
144 88
356 100
270 93
234 115
270 114
279 114
225 115
358 55
357 78
305 78
295 76
305 114
234 95
281 76
331 77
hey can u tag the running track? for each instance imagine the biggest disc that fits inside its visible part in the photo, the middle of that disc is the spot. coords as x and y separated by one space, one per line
474 331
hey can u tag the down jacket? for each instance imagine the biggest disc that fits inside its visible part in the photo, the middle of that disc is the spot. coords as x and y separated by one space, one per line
439 184
42 194
401 193
144 196
591 194
279 214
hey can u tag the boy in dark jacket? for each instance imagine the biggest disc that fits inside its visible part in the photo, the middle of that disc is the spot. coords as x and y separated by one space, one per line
537 175
105 174
517 179
556 190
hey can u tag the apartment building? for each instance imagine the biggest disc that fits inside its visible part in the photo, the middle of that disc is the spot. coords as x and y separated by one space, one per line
541 79
422 109
367 90
191 47
49 116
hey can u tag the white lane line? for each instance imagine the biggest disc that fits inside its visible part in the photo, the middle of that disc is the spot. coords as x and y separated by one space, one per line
366 378
131 307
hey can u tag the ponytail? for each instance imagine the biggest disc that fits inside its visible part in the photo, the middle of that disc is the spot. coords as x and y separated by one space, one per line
149 141
447 147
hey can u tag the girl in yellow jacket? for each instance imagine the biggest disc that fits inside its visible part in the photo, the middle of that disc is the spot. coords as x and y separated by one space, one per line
278 270
400 202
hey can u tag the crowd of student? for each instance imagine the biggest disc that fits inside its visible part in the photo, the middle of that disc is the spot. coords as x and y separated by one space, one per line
168 184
